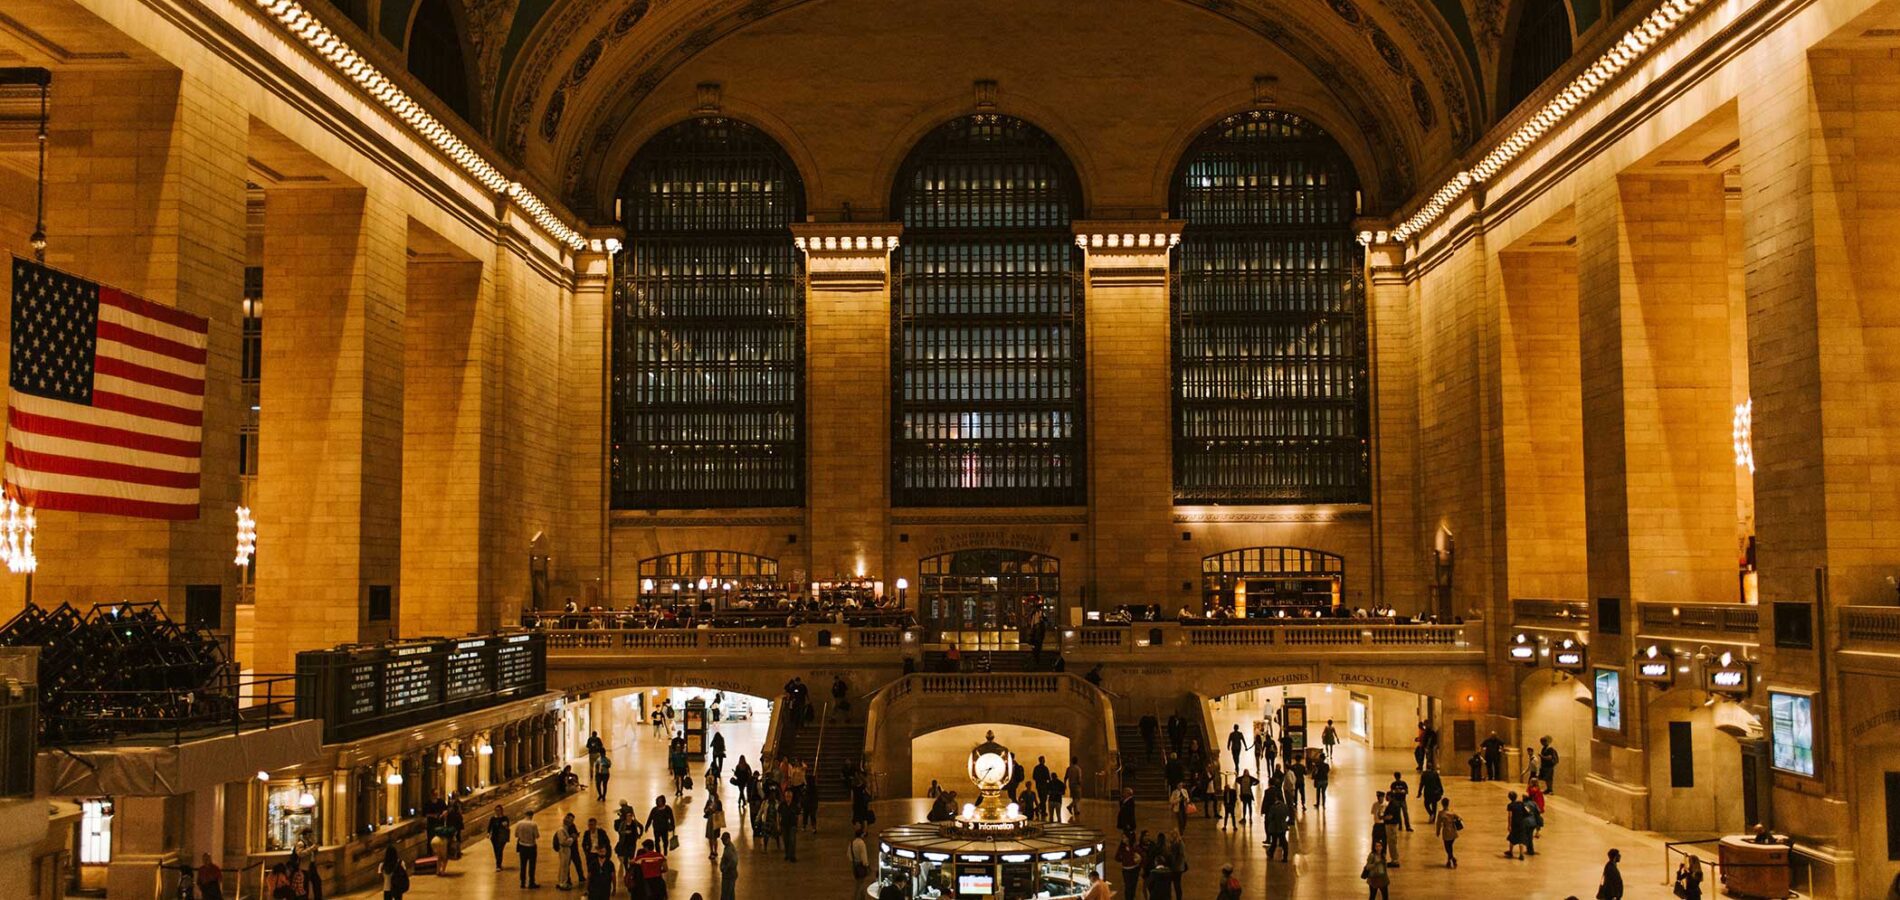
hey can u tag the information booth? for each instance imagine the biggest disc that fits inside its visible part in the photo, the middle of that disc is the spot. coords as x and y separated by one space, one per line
989 851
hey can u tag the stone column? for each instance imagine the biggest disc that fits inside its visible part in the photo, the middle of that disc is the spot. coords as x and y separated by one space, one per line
1400 574
1659 467
1130 406
848 396
584 408
145 192
1818 212
330 482
1541 420
448 401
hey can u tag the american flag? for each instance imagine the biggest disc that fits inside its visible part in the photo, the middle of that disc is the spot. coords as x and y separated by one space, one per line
106 411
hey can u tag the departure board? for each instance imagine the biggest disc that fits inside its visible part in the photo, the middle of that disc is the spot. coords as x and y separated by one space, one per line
363 690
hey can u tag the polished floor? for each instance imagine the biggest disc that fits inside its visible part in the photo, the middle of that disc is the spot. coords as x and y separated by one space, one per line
1329 846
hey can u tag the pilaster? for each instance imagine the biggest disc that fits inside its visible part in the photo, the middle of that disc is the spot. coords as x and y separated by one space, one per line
1399 568
1131 423
848 395
330 464
584 409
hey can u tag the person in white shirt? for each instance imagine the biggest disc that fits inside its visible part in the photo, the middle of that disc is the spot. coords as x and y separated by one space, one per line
527 842
860 860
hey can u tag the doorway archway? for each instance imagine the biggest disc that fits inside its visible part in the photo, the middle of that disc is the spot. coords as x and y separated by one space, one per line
1552 704
982 599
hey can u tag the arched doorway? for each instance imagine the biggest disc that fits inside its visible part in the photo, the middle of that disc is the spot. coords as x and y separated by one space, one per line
1552 704
1261 582
1695 768
982 599
942 754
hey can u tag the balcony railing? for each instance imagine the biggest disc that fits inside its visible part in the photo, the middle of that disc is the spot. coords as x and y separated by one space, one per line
690 641
1539 612
1144 637
1735 622
1871 628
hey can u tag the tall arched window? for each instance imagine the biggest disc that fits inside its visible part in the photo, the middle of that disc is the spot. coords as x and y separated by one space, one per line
436 57
708 323
1269 318
1540 47
987 320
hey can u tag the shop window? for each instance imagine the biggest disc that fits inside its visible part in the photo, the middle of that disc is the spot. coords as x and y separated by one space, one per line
708 326
986 321
95 832
290 810
1258 582
1681 755
1269 334
983 599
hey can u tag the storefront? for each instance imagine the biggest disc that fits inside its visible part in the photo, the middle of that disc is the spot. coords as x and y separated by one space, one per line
985 599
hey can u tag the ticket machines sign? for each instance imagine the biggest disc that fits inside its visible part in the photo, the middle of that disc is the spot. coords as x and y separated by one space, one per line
1654 666
1568 656
1727 675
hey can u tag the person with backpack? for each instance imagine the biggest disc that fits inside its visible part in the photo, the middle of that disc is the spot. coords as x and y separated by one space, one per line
1229 886
1547 765
1447 824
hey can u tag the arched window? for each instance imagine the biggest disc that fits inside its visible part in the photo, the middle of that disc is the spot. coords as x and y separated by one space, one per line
436 58
708 324
1269 318
1540 47
987 320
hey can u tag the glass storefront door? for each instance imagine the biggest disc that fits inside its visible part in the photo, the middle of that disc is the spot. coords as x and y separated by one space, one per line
985 599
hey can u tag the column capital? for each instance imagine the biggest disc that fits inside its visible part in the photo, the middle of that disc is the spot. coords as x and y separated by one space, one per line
847 256
1127 253
847 238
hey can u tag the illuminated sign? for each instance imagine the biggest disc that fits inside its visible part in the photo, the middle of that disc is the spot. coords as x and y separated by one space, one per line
1609 699
1660 671
1791 732
1727 675
1567 658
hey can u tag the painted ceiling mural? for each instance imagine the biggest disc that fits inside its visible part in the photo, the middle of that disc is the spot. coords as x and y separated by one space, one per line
1409 73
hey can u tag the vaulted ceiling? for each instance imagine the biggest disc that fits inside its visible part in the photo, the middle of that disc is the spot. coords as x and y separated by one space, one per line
559 80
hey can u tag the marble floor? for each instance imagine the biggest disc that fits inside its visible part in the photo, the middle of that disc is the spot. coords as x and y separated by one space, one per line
1330 843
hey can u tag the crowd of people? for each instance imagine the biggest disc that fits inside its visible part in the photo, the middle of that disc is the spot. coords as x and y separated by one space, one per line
732 613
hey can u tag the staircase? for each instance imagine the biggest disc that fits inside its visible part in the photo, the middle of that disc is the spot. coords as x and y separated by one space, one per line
1148 776
984 661
829 745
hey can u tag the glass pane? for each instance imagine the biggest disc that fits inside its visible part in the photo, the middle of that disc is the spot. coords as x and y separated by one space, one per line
1270 399
708 325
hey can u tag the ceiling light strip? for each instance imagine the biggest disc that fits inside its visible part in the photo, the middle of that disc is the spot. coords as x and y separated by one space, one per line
353 67
1634 45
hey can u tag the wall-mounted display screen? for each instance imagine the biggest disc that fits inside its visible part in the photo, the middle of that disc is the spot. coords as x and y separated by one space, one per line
1792 731
1609 699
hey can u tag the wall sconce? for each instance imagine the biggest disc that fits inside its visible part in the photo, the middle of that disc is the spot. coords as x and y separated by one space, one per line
455 759
485 751
394 779
263 775
305 799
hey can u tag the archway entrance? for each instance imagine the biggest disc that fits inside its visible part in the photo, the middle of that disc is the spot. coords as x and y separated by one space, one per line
1552 704
943 754
1695 768
983 599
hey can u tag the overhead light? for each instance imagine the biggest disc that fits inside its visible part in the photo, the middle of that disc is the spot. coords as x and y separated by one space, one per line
306 799
263 775
394 779
455 759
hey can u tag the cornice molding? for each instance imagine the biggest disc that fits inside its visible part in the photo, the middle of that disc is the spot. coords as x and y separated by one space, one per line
1340 513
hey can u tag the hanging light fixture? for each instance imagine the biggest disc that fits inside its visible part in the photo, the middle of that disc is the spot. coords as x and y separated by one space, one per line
246 536
394 779
1744 433
306 799
16 537
455 759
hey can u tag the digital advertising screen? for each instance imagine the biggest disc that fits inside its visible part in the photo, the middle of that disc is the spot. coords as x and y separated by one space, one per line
1609 699
1791 724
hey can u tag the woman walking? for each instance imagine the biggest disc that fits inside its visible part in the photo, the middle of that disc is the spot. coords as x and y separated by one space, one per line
1378 880
395 874
715 816
1447 824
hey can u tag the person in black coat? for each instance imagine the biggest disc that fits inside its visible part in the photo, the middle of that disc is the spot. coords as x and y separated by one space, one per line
1612 887
1125 814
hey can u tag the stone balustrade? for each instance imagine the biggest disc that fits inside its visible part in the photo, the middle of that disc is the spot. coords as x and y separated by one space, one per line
1870 628
1730 622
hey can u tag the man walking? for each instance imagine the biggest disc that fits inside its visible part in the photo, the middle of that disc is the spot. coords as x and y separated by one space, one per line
1149 727
1547 765
1279 820
1493 750
1612 887
601 768
1431 788
527 843
1236 742
728 867
1398 793
860 854
596 748
1125 813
